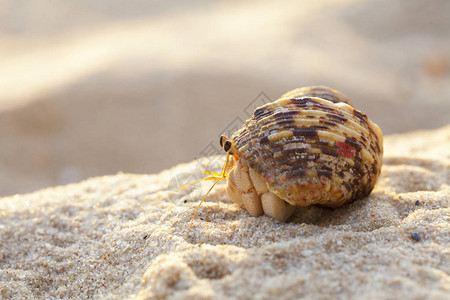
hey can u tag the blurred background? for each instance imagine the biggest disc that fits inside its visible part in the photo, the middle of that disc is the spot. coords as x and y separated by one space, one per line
91 88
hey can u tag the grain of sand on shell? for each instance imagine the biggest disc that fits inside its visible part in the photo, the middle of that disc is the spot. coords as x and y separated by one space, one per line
87 239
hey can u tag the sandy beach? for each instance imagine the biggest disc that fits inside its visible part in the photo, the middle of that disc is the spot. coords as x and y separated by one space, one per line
108 237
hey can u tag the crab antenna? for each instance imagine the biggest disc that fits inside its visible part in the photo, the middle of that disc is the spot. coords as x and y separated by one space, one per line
223 176
186 186
198 207
215 176
225 165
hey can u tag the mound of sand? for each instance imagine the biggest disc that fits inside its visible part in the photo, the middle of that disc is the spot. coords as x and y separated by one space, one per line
87 239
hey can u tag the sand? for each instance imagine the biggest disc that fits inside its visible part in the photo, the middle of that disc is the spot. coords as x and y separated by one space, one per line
108 237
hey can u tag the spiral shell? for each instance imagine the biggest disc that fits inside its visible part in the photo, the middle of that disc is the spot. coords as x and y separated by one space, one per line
312 147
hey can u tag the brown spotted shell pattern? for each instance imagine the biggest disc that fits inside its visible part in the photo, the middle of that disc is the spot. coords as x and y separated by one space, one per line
308 147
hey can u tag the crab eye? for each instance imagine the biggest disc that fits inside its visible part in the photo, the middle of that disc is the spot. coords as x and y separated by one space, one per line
227 146
221 141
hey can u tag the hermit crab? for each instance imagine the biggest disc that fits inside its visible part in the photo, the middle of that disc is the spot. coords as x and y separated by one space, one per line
308 147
